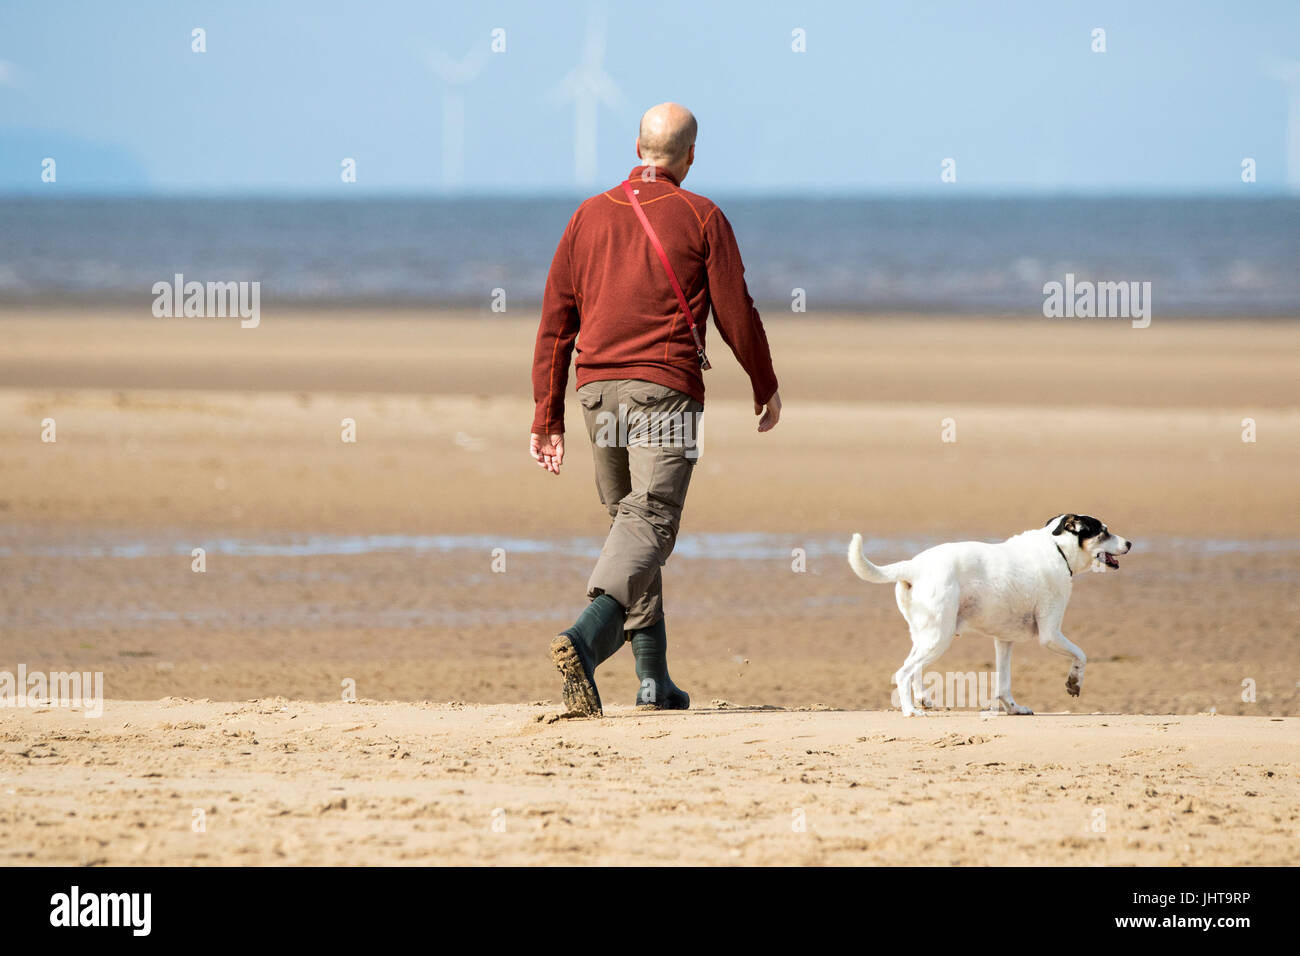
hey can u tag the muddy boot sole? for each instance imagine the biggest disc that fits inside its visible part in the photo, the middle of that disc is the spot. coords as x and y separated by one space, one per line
678 700
580 695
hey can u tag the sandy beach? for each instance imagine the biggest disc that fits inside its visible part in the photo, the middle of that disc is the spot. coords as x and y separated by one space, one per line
429 562
276 781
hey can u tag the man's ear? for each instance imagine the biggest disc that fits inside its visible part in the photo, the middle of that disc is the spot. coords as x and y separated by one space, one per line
638 148
1068 523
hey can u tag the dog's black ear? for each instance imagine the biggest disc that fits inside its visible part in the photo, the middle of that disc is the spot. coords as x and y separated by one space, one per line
1068 523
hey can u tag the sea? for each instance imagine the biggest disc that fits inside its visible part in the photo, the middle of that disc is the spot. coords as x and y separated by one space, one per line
1216 256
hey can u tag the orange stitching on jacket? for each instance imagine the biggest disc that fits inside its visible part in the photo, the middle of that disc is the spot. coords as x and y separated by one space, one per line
679 195
669 341
550 398
646 202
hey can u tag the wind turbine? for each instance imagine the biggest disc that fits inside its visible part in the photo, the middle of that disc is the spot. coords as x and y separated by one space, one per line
455 75
588 86
1288 71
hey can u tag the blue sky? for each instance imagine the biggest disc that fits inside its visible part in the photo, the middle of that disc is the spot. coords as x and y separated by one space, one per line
884 93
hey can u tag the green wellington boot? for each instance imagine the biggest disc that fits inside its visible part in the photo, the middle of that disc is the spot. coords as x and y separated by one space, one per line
657 691
580 649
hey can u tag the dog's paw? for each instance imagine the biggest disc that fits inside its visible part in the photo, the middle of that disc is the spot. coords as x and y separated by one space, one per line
1073 686
1015 710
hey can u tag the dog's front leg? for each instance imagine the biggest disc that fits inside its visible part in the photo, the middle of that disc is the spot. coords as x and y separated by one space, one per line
1054 640
1003 701
920 695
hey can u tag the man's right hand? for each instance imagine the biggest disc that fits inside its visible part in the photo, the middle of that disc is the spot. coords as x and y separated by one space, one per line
771 412
547 451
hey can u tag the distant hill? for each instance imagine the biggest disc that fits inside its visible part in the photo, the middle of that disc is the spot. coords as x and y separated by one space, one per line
82 165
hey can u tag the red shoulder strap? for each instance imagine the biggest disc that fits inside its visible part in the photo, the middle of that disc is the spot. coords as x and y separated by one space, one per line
668 267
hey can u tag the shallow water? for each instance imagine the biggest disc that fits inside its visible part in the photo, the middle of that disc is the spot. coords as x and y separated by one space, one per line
742 546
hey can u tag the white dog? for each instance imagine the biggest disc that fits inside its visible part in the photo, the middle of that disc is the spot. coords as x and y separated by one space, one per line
1009 591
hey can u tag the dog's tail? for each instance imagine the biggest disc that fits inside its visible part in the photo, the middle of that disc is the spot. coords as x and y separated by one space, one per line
869 572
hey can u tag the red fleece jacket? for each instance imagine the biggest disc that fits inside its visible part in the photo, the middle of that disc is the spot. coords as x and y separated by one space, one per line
608 295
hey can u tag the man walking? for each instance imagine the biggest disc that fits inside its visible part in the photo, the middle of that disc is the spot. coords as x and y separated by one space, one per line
631 285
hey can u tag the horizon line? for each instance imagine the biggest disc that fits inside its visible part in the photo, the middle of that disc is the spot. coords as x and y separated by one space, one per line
273 194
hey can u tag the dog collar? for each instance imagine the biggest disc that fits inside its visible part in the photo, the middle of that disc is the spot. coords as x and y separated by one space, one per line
1065 559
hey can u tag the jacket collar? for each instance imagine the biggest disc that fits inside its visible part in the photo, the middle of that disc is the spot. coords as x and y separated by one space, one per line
659 173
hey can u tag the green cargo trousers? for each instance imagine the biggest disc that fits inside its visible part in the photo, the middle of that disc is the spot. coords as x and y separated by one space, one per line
644 440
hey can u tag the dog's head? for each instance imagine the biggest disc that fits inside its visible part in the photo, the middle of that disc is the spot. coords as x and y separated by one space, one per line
1091 537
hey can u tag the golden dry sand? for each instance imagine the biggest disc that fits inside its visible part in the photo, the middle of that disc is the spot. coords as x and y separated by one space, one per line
281 781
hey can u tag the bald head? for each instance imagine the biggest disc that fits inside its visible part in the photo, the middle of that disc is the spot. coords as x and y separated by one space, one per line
666 136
